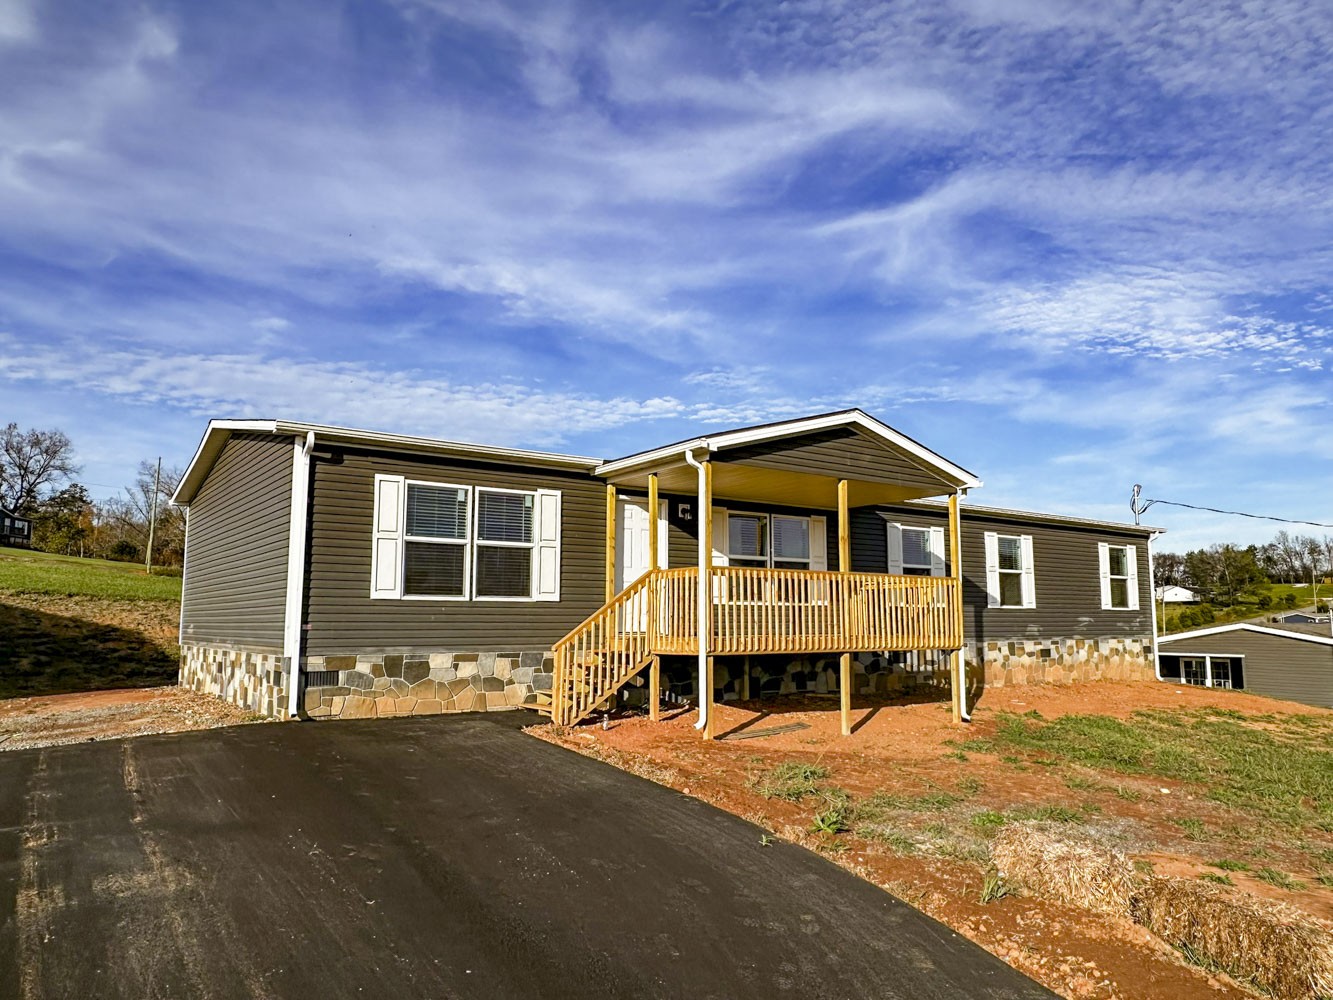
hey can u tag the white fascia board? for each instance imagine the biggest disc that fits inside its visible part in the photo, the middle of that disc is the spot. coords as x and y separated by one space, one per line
215 436
1246 627
1010 513
328 434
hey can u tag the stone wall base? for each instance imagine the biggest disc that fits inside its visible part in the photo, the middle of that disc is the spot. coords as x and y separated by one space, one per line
989 664
384 685
252 679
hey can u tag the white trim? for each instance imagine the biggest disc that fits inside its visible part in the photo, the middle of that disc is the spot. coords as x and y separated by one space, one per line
792 428
1246 627
991 541
893 559
544 547
1029 572
1152 606
818 543
298 525
218 431
185 569
1104 574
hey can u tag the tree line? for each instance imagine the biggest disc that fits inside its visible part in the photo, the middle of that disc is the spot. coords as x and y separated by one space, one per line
39 481
1230 574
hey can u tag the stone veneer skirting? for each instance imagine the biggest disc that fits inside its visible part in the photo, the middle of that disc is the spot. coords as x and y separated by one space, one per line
381 685
252 679
989 664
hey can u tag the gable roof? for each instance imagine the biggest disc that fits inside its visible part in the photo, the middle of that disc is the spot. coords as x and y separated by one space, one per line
854 419
1290 632
219 431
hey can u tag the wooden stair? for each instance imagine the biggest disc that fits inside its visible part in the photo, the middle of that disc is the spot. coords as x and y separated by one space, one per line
604 653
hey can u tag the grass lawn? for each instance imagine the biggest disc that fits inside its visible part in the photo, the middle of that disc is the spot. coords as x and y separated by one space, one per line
23 571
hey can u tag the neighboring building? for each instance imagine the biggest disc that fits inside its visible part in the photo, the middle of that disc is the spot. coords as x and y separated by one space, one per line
14 530
1301 618
1177 595
1292 663
343 573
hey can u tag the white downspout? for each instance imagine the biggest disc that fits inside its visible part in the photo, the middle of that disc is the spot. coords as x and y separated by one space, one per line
296 543
1152 594
704 596
963 713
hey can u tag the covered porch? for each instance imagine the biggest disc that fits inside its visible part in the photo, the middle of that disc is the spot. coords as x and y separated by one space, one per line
751 588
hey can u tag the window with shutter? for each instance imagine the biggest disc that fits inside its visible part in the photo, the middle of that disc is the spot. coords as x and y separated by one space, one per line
504 543
435 549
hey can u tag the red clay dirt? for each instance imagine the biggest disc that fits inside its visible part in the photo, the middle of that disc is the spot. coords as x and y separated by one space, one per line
912 749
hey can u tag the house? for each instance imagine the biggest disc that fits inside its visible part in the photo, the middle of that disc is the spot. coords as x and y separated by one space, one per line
1291 662
14 530
332 572
1177 595
1301 618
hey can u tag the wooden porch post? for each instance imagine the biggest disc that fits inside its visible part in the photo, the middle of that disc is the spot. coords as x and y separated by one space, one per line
655 668
845 566
705 522
957 674
610 541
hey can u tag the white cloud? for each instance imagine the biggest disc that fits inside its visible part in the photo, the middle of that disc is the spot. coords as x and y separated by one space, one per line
18 21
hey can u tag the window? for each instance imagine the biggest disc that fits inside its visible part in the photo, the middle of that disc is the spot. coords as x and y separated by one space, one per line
747 539
1119 577
504 543
447 542
915 551
1010 580
781 541
791 542
435 559
1221 671
1194 670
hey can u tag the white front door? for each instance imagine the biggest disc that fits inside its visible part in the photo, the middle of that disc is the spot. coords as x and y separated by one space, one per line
631 543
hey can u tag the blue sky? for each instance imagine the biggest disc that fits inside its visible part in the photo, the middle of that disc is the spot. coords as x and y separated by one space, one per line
1069 246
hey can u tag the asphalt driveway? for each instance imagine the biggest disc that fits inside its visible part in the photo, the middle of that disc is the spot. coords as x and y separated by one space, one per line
445 857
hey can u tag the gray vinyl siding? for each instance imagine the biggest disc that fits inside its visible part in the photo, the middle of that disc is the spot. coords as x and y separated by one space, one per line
840 454
340 615
1065 573
1276 666
235 585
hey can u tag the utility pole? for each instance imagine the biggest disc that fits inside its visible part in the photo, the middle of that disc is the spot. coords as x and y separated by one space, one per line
152 518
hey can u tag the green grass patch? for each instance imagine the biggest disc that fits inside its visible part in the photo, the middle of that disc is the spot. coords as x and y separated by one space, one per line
1048 814
988 821
791 780
23 571
1283 774
1229 865
1216 879
1325 879
1278 878
1194 828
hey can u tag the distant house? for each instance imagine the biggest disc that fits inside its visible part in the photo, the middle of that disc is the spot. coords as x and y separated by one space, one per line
1301 618
1293 662
14 530
1177 595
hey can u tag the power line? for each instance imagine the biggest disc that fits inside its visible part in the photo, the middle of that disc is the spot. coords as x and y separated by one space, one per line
1138 506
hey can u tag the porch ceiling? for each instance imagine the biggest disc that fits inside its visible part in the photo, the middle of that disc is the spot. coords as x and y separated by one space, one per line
760 485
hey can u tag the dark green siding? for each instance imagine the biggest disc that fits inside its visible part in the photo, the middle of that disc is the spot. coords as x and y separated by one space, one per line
1065 572
342 618
235 583
1275 665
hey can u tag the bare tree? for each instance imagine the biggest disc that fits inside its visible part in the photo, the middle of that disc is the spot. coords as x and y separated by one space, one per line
133 513
33 463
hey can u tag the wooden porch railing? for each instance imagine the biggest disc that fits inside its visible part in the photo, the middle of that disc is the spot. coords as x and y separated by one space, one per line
754 611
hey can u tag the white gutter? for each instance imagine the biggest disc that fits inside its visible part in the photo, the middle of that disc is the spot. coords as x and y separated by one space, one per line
1152 600
705 696
296 544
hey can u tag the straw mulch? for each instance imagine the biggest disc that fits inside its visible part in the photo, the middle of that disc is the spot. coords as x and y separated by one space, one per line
1283 951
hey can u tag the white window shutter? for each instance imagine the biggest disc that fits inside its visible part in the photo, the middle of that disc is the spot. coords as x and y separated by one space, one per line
721 538
1131 556
895 534
1104 572
1029 576
386 546
992 569
819 543
936 551
546 551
